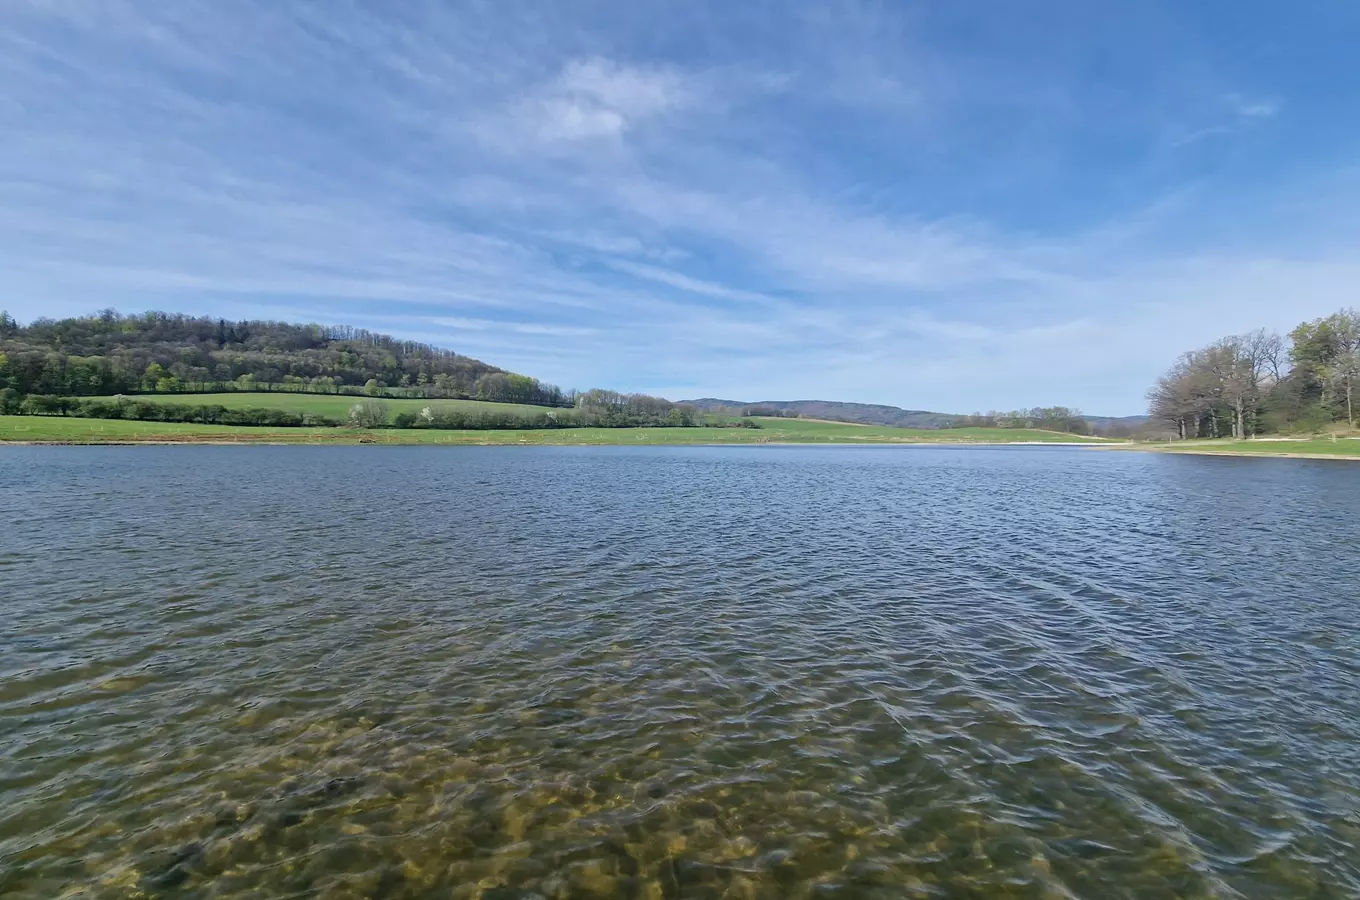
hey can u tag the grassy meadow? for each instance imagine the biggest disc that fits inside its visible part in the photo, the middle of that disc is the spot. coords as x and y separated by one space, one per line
59 429
334 406
1346 447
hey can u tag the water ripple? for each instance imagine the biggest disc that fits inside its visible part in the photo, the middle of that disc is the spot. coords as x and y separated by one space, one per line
662 673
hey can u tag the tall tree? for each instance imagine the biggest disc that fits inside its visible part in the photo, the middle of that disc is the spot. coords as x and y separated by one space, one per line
1344 368
1326 354
1241 364
1181 397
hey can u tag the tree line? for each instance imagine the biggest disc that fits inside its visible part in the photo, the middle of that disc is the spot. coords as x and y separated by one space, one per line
594 409
748 411
147 411
1047 418
1261 382
110 353
603 409
455 419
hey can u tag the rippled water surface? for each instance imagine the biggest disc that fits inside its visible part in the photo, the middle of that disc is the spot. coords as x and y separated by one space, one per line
655 673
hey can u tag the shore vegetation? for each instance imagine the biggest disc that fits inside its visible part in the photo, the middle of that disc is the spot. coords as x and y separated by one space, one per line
75 430
1263 383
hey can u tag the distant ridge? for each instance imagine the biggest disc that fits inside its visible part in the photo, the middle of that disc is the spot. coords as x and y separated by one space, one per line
879 414
863 413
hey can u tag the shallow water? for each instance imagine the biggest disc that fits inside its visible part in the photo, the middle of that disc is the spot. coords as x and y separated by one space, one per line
677 672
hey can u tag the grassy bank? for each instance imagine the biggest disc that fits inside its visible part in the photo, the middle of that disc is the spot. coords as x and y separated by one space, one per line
1320 448
57 429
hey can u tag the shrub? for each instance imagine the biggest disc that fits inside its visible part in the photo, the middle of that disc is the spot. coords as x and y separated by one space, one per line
45 405
142 410
98 409
368 414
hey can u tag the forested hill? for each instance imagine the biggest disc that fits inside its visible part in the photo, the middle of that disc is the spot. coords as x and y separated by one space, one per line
111 353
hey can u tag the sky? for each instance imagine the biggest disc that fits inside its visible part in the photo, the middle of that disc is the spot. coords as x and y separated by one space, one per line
936 205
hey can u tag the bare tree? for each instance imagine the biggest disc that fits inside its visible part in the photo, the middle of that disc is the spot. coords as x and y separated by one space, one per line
1165 403
1183 395
1243 366
1269 357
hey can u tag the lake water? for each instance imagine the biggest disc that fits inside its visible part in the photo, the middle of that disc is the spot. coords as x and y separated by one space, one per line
756 672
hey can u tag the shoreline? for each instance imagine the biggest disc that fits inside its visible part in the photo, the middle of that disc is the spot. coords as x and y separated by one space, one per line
26 431
1237 450
1254 454
1237 454
823 443
76 430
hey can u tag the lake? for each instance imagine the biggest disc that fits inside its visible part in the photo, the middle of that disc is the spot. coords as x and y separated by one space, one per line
755 672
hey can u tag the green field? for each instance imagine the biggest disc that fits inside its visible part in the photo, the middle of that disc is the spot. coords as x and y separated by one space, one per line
334 406
93 431
1342 447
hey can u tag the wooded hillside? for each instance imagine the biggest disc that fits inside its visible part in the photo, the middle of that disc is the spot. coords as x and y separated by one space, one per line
109 353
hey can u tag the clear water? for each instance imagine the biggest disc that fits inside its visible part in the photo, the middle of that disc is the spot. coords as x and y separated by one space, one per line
694 672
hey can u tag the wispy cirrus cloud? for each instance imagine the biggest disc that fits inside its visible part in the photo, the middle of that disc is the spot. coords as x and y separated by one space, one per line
459 322
1233 113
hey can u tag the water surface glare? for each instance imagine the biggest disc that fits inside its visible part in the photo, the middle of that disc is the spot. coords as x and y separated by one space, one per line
756 672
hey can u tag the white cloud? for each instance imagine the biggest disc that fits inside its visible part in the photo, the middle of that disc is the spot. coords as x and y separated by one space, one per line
589 98
633 92
1249 108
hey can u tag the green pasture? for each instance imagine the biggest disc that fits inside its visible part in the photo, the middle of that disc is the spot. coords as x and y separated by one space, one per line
1345 446
85 431
334 406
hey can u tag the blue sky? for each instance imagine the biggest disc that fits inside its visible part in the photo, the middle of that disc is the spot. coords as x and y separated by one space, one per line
953 206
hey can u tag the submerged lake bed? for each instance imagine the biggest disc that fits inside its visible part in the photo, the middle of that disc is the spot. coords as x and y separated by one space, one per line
664 672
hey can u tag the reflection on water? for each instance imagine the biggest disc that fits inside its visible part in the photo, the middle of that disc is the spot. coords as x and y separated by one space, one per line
658 673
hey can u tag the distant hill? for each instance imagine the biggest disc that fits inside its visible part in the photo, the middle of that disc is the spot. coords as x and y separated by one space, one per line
879 414
864 413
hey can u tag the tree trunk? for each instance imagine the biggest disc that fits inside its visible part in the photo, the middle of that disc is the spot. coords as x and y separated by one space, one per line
1350 413
1240 426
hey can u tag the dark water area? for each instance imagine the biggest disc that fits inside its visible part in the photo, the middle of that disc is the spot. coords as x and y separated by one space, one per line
755 672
